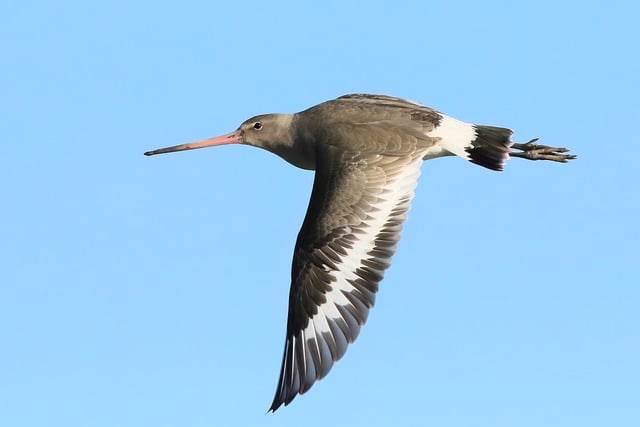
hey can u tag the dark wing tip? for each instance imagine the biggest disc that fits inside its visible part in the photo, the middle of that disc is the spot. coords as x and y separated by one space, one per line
286 391
277 402
280 399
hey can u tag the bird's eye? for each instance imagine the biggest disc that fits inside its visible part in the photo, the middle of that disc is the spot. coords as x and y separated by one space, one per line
257 125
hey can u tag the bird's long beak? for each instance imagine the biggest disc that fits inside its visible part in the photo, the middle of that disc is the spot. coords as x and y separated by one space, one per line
230 138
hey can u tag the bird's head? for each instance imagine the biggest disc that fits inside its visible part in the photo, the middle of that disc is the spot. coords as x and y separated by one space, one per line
268 131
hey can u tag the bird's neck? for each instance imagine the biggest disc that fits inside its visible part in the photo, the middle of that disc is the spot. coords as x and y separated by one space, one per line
294 144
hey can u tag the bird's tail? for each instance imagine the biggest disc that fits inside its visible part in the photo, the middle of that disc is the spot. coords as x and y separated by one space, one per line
491 147
487 146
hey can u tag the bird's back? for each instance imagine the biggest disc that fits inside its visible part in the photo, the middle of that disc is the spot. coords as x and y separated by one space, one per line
371 123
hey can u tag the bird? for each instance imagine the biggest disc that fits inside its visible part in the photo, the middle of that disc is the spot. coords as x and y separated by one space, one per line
367 151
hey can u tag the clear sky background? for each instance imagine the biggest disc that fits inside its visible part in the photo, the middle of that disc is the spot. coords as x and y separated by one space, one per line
143 291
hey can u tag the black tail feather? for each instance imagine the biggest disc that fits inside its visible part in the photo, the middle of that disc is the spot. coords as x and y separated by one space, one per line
491 147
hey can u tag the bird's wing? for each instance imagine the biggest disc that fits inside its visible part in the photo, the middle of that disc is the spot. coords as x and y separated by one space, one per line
350 232
381 100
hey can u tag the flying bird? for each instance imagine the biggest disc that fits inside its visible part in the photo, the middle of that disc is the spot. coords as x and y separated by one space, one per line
367 151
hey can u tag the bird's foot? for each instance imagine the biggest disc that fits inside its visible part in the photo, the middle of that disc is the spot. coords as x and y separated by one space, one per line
533 151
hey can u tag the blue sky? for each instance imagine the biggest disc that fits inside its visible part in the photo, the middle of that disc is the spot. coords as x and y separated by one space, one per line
153 291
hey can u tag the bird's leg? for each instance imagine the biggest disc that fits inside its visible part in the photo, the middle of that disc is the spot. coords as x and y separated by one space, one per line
533 151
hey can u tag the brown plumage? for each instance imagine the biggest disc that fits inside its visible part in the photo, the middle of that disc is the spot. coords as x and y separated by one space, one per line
367 151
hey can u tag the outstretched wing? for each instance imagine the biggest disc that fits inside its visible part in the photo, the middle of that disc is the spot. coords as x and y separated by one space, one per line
353 223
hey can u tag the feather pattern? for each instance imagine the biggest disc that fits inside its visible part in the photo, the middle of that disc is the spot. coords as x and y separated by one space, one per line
358 204
367 151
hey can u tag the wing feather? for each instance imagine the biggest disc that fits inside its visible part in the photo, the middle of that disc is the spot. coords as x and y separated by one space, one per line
358 205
